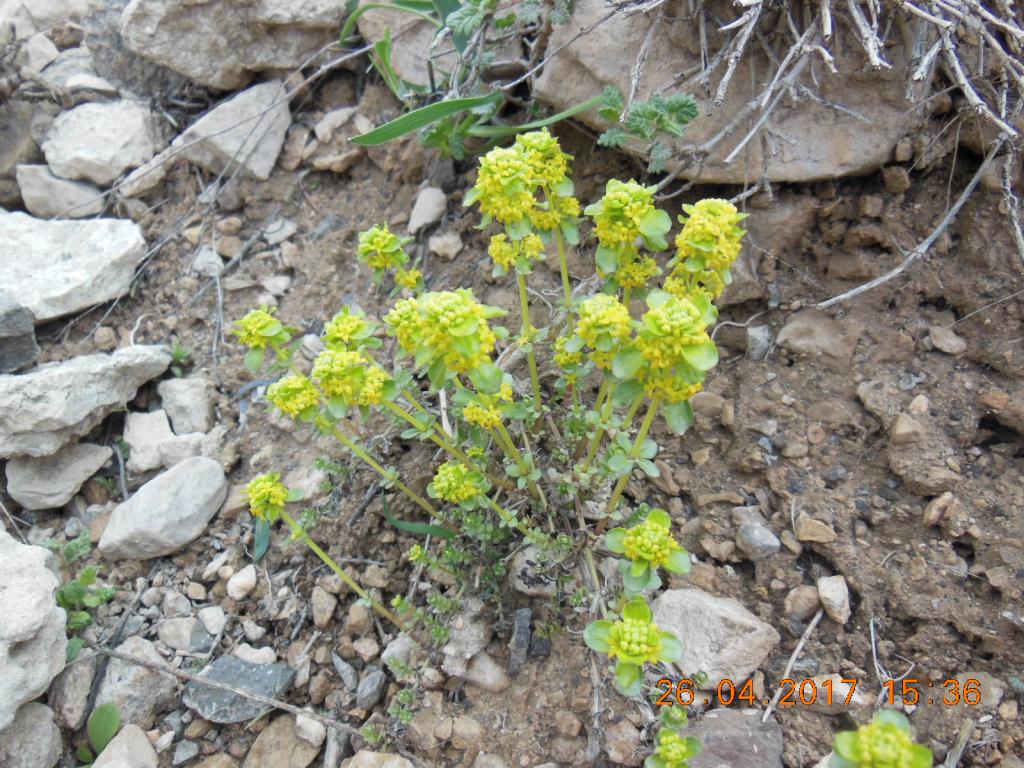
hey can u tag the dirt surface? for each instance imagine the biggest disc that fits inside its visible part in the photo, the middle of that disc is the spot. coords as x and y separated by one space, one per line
805 432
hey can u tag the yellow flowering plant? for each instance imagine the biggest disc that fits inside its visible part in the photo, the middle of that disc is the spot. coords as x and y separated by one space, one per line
524 448
885 742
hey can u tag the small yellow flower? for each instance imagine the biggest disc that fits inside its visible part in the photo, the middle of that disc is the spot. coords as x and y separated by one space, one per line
668 329
416 553
372 392
563 358
604 324
548 164
502 186
651 541
711 233
456 483
380 249
675 751
347 328
619 214
293 394
340 372
258 328
408 279
266 494
404 322
637 273
668 386
485 416
502 251
505 392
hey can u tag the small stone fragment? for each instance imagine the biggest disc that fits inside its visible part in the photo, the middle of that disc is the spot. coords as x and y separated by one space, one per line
428 209
945 340
242 583
835 598
810 529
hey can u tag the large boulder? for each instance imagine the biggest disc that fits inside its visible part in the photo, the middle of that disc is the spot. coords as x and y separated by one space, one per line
167 512
33 642
54 268
221 43
852 130
100 141
247 130
43 410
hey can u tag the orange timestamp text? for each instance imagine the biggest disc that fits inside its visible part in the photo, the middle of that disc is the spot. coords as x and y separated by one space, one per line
828 691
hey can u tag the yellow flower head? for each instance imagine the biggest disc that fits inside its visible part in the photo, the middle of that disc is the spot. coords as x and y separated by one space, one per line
380 249
637 273
668 385
293 394
711 234
259 328
604 325
456 483
409 279
635 639
650 541
503 186
668 329
404 323
502 251
340 373
563 357
267 495
454 326
548 164
347 328
618 215
549 216
485 416
372 392
505 393
675 751
416 553
685 284
885 742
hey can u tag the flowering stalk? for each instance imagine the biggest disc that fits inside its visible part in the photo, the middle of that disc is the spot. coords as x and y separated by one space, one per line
526 338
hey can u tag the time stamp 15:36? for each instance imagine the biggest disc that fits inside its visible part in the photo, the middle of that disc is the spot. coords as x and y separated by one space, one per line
909 692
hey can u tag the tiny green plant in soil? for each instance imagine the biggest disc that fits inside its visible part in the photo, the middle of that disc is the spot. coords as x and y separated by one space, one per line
101 728
544 422
885 742
81 593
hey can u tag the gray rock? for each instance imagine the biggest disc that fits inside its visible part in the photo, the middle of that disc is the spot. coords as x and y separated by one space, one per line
32 16
348 674
223 707
756 541
428 209
145 433
323 603
366 758
50 482
187 403
166 513
445 244
470 633
371 687
719 636
528 576
18 348
221 44
815 334
147 176
69 692
175 605
247 129
213 619
484 672
945 340
184 634
734 737
835 598
280 745
33 740
397 653
37 52
32 633
184 751
207 263
58 267
242 583
519 643
759 341
129 749
139 693
17 145
279 230
51 197
100 141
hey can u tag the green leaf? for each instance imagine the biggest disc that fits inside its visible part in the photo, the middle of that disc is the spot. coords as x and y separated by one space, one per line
424 116
422 529
626 363
678 562
596 635
894 718
254 358
672 649
703 356
487 378
606 259
88 576
501 131
615 540
847 746
637 609
655 224
835 761
613 137
628 678
920 757
659 517
261 539
70 594
648 467
85 755
75 646
678 416
103 725
438 374
626 392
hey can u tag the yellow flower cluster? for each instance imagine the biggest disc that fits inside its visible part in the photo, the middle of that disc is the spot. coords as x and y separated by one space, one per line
266 494
350 377
379 249
706 248
635 641
416 553
673 750
486 416
618 215
293 394
637 273
884 745
408 279
548 164
565 358
604 324
502 186
444 325
651 541
546 217
509 253
347 328
676 348
456 483
258 328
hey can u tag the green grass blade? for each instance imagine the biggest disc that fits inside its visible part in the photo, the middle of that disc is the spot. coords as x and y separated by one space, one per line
419 118
499 131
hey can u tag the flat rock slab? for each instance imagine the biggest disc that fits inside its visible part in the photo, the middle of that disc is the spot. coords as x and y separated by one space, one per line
719 636
737 737
247 130
43 410
166 513
219 706
100 141
18 348
56 267
51 197
50 482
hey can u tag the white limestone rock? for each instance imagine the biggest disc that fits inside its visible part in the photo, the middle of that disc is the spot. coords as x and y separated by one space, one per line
51 482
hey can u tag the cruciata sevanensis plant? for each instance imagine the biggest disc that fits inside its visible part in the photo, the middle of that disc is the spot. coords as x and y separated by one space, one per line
528 452
885 742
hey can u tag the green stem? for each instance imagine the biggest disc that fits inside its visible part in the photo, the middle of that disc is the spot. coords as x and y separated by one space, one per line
359 451
526 334
509 519
645 426
342 573
595 441
563 266
627 297
414 402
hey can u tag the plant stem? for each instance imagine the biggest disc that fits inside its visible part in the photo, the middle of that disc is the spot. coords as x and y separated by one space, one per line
563 266
509 519
504 439
359 451
526 334
627 297
414 402
342 573
595 441
645 426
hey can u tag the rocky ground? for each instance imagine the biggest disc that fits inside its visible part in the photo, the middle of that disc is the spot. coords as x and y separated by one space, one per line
864 462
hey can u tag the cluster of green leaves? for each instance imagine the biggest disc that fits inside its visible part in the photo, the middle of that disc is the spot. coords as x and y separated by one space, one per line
651 121
101 728
81 593
885 741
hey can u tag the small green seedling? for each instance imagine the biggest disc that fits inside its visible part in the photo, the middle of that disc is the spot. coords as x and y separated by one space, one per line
885 742
101 728
80 594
